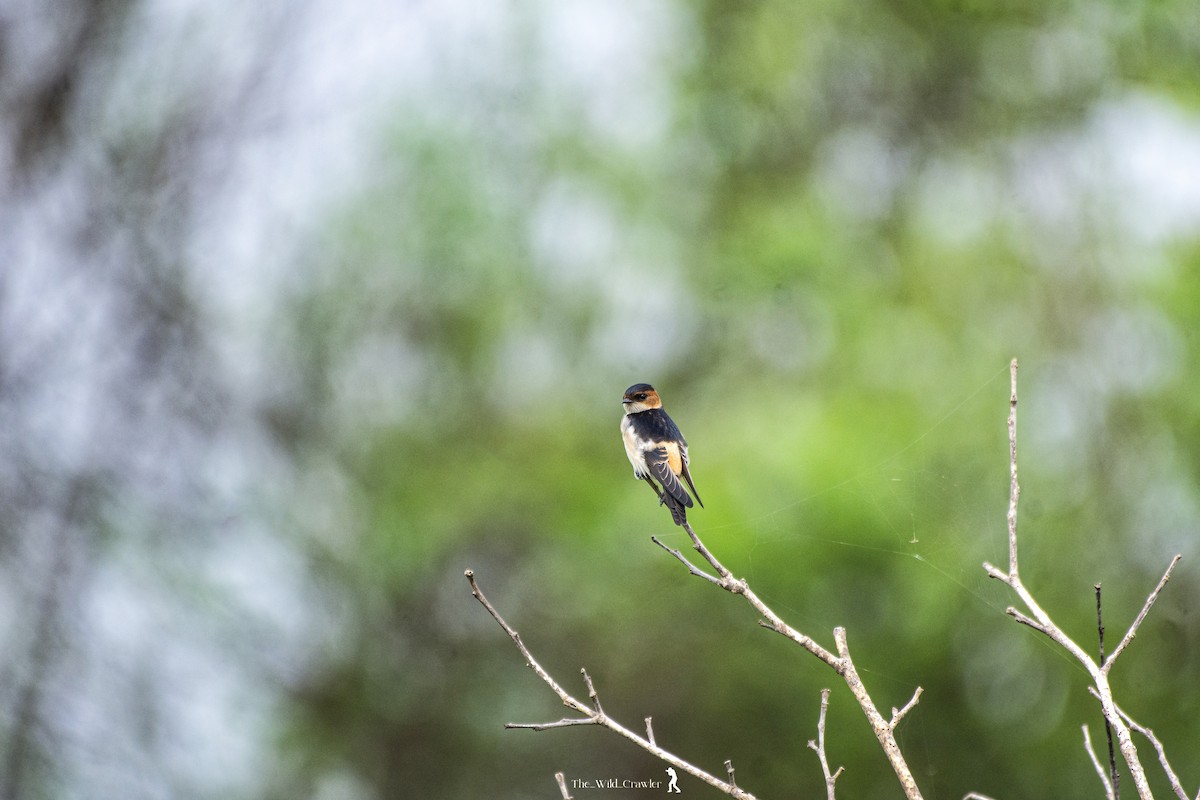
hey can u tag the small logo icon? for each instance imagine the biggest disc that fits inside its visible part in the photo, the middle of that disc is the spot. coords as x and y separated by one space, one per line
673 784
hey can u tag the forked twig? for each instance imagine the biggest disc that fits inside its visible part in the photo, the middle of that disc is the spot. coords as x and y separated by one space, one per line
1039 620
899 715
1176 784
592 713
1137 622
818 745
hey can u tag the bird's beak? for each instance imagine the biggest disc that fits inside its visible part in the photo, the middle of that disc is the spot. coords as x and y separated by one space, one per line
625 401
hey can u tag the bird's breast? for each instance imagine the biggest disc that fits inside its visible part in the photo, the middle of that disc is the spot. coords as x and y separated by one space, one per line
630 438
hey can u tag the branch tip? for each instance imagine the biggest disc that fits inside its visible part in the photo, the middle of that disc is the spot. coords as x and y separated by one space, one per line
818 746
562 785
898 715
1137 622
592 695
1039 620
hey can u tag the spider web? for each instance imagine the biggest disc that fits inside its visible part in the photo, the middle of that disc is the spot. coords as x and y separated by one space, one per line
923 510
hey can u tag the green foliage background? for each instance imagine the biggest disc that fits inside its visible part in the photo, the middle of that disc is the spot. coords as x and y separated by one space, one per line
821 230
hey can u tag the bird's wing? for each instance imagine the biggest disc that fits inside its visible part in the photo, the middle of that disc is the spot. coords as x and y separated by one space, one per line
687 475
658 459
678 512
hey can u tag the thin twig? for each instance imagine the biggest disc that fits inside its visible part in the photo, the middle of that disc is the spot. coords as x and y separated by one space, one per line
565 722
976 796
819 746
649 731
729 771
595 698
1132 632
899 715
562 785
530 661
1024 620
1113 772
1014 486
692 568
711 559
1087 745
770 619
593 714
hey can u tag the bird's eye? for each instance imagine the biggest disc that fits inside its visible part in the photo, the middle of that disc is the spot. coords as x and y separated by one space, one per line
640 396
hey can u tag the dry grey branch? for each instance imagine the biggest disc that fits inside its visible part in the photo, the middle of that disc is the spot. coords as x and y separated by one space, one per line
1176 785
565 722
899 715
1039 620
692 568
1137 622
1024 620
819 746
593 713
595 698
841 663
1014 485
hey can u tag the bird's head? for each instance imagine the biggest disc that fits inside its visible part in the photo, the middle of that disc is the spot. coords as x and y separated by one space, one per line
640 397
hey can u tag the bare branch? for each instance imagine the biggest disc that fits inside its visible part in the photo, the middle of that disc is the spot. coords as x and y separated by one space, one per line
899 715
1024 620
819 746
729 582
1014 486
770 618
565 722
595 698
1087 745
997 573
976 796
1132 632
593 714
1039 620
562 786
692 568
530 661
840 663
884 733
1176 785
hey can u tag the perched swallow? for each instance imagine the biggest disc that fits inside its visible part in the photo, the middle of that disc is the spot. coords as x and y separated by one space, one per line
657 450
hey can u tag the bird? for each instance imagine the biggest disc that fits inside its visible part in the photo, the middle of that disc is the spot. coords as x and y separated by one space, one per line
657 450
